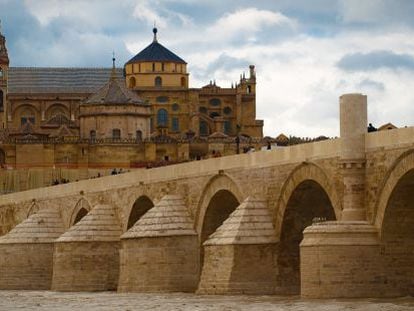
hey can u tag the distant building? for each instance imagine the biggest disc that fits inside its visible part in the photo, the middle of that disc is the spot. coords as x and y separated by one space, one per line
96 118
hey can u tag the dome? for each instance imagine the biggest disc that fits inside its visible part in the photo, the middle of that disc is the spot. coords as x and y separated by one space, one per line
156 52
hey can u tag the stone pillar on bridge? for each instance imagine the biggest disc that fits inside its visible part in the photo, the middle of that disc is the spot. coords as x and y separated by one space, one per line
353 127
342 258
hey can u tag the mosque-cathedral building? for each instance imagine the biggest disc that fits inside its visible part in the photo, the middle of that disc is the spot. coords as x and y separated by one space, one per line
74 122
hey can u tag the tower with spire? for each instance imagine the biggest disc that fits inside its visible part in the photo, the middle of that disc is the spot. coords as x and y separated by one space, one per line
4 68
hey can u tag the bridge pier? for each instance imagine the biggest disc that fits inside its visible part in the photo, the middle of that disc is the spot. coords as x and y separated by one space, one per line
86 257
240 257
160 253
342 259
26 252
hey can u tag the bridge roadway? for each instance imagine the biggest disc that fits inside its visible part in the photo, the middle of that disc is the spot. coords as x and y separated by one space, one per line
326 219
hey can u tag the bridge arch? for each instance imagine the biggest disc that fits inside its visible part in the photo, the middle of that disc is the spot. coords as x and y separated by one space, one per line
306 194
401 166
81 209
395 221
141 205
220 188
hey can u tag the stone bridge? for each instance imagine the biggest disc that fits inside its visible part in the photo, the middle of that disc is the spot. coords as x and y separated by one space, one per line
229 225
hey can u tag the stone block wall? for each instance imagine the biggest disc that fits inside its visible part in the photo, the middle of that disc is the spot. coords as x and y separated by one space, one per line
239 269
26 266
159 264
85 266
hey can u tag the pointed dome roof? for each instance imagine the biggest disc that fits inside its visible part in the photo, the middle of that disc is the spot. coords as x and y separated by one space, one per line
169 217
43 227
250 223
114 92
156 52
100 224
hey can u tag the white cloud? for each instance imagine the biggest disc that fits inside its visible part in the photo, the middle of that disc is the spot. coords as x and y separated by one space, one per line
246 23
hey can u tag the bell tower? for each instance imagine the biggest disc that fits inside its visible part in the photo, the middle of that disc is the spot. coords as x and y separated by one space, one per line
4 69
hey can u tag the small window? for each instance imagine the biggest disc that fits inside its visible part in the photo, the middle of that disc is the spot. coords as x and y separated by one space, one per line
214 114
202 110
139 67
158 81
116 134
227 110
249 89
162 99
92 134
175 107
1 73
215 102
203 128
1 100
25 120
183 82
132 82
153 66
162 117
162 66
227 127
175 125
138 136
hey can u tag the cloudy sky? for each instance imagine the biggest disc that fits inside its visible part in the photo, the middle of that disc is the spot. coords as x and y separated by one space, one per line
307 53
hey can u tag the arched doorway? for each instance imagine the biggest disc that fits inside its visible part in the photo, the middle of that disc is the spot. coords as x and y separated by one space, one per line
140 207
397 237
221 205
81 213
307 202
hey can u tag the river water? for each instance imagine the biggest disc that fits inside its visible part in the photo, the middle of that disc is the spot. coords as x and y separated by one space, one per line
56 301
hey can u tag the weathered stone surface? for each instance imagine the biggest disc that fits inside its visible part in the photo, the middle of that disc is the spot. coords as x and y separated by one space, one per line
26 252
86 257
232 253
160 253
341 260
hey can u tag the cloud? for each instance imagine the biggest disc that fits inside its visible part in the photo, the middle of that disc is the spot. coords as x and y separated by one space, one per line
376 60
369 85
246 23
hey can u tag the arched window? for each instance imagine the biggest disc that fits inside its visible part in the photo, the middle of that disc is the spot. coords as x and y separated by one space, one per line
162 117
183 82
158 81
203 128
132 82
139 136
1 100
92 134
116 134
249 89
